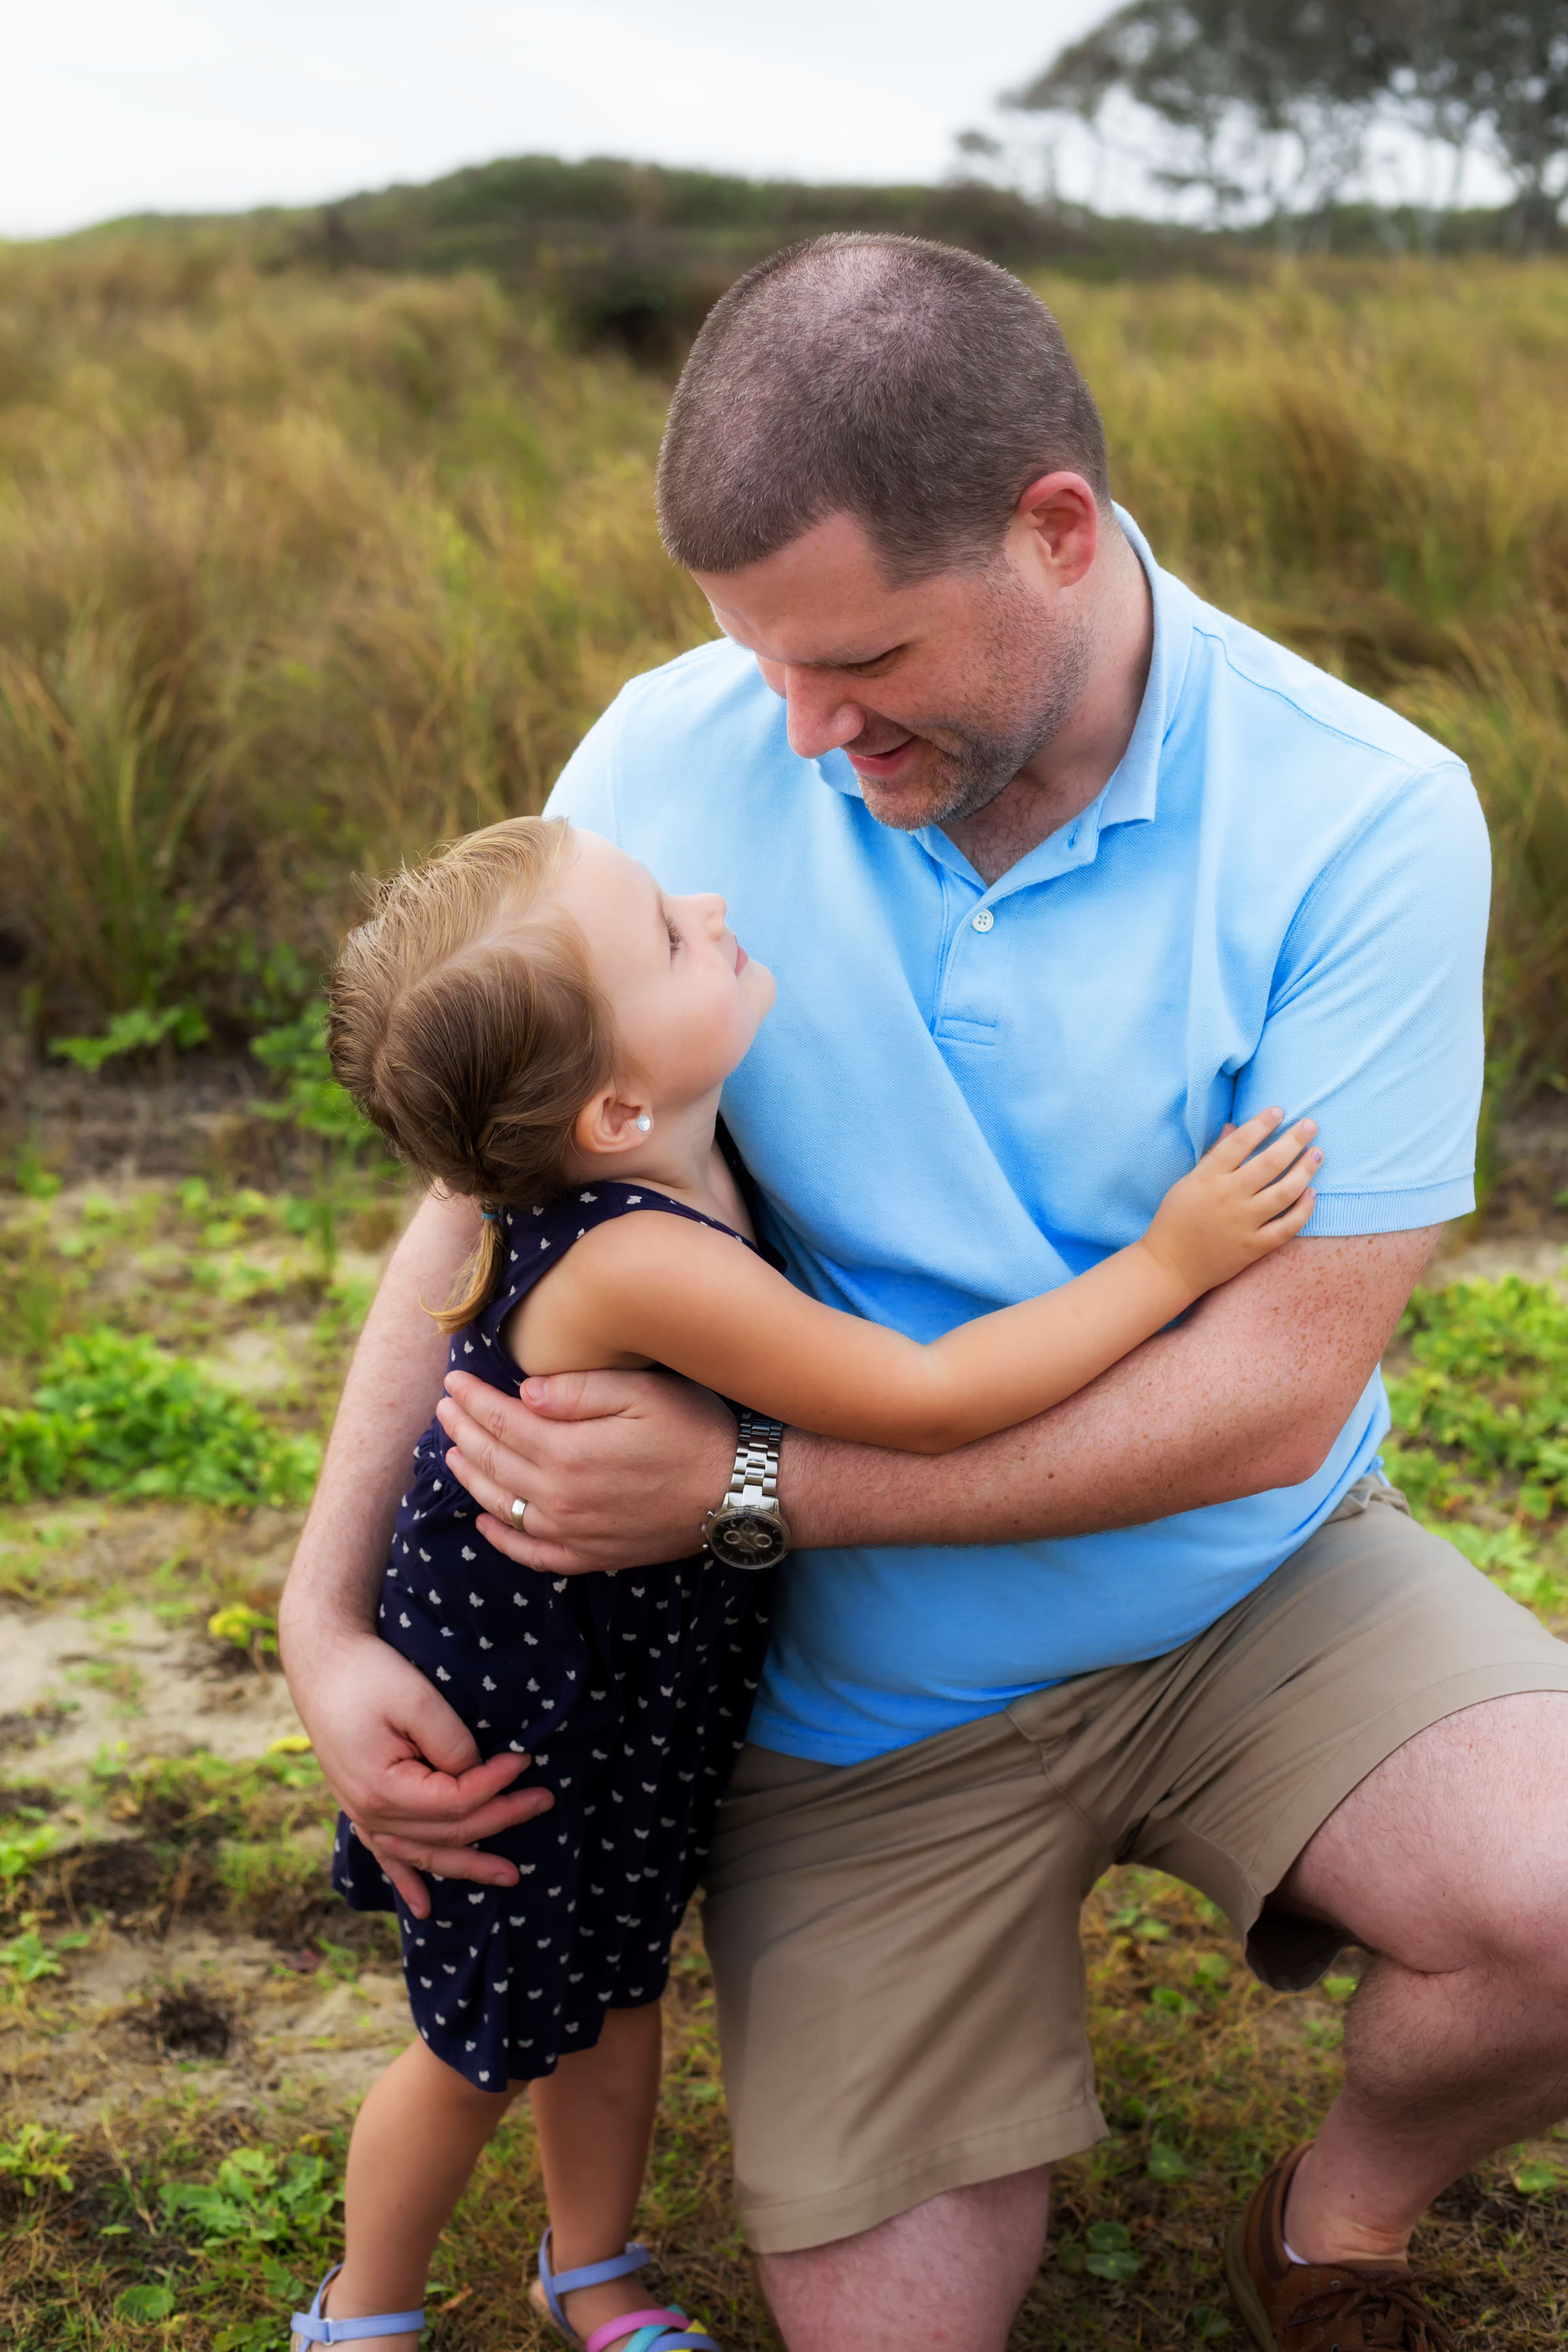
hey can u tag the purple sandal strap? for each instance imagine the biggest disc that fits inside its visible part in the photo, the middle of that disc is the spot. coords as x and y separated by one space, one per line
559 2283
315 2327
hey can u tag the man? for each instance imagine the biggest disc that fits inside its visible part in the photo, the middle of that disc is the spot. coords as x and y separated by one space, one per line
1059 869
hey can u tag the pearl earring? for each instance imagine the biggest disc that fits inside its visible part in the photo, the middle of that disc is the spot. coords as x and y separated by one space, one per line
644 1122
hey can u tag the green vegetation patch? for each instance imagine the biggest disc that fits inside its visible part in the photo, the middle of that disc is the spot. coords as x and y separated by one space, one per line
1489 1384
115 1414
184 2220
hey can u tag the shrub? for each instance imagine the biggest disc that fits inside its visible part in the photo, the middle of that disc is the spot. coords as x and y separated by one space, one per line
116 1415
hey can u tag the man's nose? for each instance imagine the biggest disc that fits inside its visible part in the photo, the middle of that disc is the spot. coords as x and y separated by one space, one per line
819 718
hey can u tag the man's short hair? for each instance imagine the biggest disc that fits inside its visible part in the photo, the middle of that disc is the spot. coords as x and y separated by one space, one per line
910 384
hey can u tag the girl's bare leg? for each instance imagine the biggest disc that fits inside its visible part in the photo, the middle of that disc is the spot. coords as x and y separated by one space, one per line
594 2118
417 2140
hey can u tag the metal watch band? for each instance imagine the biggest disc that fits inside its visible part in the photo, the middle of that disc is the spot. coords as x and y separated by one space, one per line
754 1481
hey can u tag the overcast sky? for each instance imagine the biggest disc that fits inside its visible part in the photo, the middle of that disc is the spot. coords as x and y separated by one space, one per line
118 106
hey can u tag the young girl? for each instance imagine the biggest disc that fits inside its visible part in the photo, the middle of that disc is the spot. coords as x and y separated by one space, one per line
531 1022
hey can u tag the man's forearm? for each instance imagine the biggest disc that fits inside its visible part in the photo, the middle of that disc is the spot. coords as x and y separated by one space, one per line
392 1387
1247 1394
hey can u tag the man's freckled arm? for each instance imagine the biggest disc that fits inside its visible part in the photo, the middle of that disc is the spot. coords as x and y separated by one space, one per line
1248 1393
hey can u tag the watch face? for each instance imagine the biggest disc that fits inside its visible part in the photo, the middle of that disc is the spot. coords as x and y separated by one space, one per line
748 1538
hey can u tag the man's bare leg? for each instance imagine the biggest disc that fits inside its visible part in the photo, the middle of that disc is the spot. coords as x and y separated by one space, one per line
1450 1863
948 2273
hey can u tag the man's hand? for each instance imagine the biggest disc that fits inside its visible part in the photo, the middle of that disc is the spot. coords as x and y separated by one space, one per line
1248 1393
618 1469
406 1770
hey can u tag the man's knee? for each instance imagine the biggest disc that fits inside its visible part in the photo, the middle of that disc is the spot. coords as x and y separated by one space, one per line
968 2255
1453 1853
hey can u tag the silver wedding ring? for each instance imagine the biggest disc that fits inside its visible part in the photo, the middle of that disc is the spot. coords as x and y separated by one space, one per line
518 1512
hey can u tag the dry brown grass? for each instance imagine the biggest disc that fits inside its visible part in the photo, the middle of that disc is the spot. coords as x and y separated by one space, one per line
298 574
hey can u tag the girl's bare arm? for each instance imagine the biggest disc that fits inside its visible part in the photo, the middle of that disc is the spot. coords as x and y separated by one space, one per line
668 1290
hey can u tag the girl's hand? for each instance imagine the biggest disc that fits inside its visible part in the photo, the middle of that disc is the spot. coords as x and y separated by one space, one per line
1244 1198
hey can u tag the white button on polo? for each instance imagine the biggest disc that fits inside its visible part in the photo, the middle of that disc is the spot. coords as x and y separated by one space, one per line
983 920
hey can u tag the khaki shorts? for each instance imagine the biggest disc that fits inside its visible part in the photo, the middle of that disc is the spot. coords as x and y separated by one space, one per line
895 1944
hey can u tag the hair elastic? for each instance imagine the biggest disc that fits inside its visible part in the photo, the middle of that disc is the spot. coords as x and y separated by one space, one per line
490 1216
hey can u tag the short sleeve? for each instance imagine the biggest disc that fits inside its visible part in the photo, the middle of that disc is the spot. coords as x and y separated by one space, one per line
585 791
1375 1019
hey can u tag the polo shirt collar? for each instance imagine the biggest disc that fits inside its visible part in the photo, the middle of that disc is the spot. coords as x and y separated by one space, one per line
1130 794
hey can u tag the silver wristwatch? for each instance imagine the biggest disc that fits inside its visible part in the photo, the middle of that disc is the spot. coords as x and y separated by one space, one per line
748 1529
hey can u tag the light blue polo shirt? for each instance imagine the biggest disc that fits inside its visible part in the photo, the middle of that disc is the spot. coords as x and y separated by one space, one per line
966 1094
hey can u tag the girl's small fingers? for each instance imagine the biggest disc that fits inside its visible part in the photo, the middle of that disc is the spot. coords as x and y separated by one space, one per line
1293 1218
1230 1147
1285 1188
1239 1143
1285 1156
1259 1127
1287 1146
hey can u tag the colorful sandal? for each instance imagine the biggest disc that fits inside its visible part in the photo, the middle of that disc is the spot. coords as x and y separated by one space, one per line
315 2327
640 2331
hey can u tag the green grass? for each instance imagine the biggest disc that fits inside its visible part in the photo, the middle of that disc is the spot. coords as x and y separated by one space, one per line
205 2206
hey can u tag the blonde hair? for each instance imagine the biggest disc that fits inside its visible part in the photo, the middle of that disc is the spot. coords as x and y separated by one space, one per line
463 1018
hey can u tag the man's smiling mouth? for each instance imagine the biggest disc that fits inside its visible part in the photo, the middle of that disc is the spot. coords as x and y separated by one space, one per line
876 764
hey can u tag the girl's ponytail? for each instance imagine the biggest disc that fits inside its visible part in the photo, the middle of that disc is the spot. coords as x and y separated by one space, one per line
479 1280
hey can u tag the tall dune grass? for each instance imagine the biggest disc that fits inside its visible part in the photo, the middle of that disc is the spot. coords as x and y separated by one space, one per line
298 572
294 576
1370 462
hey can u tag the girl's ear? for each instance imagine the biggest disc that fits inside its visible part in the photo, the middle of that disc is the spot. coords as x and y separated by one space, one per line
607 1127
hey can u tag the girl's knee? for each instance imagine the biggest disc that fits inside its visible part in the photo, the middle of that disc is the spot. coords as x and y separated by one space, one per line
446 2082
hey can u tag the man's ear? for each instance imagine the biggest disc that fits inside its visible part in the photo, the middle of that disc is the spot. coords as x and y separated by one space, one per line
1060 516
607 1127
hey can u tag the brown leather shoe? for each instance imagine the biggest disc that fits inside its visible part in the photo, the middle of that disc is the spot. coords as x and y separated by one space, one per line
1320 2306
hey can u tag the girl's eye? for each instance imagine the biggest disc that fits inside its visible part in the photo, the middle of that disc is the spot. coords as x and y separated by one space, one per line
674 936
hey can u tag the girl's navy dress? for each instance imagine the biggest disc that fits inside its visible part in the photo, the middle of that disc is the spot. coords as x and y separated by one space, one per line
631 1692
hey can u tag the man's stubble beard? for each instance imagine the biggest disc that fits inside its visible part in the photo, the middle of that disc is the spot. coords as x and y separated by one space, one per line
1038 668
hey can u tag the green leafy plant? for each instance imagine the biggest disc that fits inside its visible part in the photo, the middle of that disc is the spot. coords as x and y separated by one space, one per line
24 1838
26 1959
258 2196
33 1179
145 2304
1489 1384
310 1098
254 1631
115 1414
136 1032
35 2158
1111 2254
